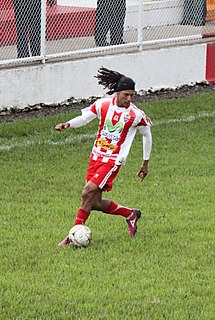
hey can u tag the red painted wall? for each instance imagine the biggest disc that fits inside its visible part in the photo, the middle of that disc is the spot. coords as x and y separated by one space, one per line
210 63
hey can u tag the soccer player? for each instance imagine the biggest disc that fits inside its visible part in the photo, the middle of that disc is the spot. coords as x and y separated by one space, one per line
119 120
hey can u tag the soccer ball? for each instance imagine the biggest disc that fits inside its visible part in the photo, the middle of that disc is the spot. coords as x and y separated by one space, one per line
80 236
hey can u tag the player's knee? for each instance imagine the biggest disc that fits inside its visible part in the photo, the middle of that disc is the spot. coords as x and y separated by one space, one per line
87 192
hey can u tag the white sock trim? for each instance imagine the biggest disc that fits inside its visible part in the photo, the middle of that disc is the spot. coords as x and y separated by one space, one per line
130 215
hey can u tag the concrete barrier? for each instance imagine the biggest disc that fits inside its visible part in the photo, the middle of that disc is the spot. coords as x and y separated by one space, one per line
56 82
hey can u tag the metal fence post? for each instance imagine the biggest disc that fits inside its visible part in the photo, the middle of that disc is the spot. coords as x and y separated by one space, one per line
43 30
139 27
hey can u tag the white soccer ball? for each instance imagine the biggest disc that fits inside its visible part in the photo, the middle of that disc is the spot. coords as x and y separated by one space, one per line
80 236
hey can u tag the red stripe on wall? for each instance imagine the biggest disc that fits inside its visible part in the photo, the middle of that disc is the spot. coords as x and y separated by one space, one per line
210 63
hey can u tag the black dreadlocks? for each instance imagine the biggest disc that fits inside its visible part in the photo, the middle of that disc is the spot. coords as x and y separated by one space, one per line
114 80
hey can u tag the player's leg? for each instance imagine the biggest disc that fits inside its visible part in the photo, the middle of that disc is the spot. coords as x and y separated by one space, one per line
109 207
87 197
100 178
83 213
131 215
106 206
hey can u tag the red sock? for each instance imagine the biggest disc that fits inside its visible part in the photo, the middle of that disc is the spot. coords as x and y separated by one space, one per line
116 209
81 217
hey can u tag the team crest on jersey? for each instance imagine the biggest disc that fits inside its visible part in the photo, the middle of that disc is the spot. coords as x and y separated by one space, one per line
116 117
126 117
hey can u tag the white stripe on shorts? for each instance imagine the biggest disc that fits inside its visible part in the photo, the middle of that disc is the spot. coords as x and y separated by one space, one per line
102 184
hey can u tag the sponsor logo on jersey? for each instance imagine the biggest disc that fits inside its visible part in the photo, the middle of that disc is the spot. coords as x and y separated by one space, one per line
112 128
104 144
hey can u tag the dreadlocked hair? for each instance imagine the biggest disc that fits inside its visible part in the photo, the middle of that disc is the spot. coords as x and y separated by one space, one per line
108 79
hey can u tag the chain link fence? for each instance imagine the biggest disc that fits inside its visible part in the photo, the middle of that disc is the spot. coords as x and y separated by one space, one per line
39 30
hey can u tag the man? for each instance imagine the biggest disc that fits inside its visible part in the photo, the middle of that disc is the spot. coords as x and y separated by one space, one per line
28 25
110 17
194 12
119 119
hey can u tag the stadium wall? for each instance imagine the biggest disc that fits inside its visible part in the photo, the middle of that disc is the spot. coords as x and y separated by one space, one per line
52 83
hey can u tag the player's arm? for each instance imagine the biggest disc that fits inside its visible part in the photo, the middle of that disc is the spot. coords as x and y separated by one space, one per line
147 147
76 122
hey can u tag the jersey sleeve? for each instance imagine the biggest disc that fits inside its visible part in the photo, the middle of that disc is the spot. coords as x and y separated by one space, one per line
90 109
147 141
89 113
144 120
86 116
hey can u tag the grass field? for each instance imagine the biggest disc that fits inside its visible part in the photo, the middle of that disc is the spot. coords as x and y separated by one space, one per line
165 272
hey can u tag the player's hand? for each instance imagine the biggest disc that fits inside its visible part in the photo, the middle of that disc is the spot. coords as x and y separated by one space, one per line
61 126
142 173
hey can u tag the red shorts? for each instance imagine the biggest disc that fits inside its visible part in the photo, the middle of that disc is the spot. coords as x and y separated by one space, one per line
102 173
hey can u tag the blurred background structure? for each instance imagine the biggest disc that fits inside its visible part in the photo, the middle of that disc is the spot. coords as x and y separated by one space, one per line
40 30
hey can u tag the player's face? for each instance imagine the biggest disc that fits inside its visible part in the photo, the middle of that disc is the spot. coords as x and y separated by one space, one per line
124 98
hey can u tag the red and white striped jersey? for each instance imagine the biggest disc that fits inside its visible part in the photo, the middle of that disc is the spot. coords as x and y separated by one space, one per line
117 128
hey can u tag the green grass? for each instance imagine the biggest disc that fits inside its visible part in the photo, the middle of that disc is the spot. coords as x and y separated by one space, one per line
165 272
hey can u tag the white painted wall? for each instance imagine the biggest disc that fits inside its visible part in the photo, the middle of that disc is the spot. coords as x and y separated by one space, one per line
56 82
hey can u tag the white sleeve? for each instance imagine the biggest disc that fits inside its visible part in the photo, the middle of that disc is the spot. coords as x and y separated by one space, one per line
80 121
147 141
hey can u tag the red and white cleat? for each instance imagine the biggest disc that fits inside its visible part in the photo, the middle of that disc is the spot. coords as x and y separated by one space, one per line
132 222
64 242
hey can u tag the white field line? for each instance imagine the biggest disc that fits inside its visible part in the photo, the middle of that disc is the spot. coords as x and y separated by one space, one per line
81 137
187 119
33 143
